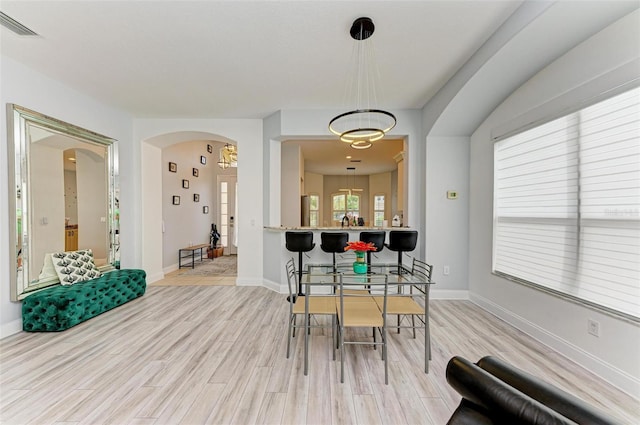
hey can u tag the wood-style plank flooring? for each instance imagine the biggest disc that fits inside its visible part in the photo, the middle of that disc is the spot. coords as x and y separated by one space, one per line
201 354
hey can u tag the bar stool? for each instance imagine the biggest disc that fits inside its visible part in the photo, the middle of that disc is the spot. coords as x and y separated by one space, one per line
299 242
402 241
377 238
333 242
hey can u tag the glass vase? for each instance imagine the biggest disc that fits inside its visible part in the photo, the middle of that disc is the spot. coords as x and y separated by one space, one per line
360 266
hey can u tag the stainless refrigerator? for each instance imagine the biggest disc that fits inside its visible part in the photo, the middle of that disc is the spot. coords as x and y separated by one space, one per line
304 211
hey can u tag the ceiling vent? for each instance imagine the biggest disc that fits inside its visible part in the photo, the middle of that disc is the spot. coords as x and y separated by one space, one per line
15 26
356 160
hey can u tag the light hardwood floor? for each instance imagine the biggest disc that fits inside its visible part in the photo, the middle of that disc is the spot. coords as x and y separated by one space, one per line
192 354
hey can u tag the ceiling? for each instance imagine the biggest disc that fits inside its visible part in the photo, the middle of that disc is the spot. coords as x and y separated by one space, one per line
249 59
245 59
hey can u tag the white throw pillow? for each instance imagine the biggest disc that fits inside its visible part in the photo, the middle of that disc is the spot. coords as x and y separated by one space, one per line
75 266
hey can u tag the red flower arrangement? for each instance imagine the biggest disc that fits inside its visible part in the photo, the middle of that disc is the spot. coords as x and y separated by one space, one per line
360 246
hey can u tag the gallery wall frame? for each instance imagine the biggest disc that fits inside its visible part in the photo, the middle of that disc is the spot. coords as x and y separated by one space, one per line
196 197
173 167
209 148
176 200
203 160
205 210
185 184
195 172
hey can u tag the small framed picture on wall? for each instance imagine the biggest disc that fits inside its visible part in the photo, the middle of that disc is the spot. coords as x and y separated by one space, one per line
203 160
176 200
205 210
209 148
196 197
185 184
196 173
173 167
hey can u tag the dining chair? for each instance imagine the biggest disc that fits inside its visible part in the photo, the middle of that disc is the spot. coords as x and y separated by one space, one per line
404 304
358 309
307 306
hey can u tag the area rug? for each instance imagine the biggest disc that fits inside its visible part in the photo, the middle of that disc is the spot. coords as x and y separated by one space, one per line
227 265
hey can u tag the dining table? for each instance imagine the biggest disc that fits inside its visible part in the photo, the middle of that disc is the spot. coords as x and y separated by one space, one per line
321 280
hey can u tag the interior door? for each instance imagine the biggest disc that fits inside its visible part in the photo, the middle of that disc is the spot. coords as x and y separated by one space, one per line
227 191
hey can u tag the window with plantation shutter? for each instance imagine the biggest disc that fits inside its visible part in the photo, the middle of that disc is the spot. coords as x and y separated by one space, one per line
567 205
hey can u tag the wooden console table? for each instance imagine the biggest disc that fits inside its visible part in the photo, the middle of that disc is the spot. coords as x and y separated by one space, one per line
191 253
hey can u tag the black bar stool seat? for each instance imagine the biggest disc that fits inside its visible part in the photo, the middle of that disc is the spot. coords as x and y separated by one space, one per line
299 242
333 242
375 237
402 241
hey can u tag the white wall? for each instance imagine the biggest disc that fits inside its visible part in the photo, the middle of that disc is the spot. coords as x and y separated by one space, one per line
448 229
601 63
28 88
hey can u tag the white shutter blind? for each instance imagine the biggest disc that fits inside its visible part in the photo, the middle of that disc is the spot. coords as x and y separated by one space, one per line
567 205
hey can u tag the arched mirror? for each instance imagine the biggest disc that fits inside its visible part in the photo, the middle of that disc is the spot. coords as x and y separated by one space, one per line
63 196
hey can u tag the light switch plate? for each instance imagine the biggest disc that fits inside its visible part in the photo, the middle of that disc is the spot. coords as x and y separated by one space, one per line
452 194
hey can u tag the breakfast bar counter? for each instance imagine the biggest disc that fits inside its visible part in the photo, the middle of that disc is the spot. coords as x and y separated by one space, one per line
276 253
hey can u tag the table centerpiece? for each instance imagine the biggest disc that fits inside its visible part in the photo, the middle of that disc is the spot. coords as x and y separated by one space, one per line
360 248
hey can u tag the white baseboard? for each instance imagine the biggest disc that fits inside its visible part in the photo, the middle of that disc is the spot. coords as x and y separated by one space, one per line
275 286
243 281
10 328
606 371
448 294
155 277
171 268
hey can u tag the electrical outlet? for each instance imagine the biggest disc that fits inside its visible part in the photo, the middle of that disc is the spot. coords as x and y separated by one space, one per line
593 327
445 271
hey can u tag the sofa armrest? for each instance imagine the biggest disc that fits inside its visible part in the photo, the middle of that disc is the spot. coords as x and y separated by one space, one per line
564 403
502 403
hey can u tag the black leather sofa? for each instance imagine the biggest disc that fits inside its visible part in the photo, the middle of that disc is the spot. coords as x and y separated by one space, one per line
494 392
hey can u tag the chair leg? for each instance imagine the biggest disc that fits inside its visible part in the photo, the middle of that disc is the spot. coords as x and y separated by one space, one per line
383 334
398 319
413 324
334 334
306 344
375 347
341 355
291 319
294 324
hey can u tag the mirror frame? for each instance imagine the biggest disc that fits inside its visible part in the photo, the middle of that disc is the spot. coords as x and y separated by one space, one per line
18 121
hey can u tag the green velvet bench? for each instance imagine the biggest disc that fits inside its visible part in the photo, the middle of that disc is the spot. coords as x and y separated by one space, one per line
61 307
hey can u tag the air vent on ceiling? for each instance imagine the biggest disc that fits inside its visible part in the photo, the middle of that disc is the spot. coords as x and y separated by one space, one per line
15 26
356 160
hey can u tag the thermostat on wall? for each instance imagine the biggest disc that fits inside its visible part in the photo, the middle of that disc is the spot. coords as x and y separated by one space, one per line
452 194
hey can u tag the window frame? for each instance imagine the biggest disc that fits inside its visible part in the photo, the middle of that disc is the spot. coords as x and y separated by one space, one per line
346 204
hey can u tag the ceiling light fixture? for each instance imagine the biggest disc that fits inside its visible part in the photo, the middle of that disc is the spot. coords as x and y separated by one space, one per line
228 157
365 123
